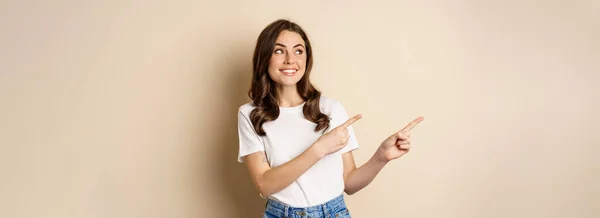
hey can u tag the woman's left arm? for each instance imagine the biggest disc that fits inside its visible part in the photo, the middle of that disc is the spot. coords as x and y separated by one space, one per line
356 179
391 148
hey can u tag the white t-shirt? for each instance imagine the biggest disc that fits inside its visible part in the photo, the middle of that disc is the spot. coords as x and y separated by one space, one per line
287 137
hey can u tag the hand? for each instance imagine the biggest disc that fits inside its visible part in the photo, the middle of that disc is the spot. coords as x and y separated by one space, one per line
397 144
336 139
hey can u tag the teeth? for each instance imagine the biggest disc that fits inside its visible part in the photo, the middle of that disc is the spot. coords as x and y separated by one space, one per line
289 71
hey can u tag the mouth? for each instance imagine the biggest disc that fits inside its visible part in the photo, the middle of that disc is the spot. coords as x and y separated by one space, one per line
288 72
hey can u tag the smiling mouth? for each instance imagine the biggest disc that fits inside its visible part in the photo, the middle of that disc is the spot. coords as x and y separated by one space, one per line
288 72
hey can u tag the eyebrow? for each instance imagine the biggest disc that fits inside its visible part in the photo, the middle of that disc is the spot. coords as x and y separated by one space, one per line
285 47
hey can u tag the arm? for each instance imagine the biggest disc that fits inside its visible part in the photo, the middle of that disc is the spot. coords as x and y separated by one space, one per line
356 179
391 148
272 180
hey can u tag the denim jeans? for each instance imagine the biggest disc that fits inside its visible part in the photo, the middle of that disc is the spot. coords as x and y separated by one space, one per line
335 208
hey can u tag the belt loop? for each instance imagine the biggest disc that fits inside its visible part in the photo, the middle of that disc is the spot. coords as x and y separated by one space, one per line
286 208
325 212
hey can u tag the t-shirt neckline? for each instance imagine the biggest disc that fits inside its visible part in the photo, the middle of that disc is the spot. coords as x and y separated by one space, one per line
293 108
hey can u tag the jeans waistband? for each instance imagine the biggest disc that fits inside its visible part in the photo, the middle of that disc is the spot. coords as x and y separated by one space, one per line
281 209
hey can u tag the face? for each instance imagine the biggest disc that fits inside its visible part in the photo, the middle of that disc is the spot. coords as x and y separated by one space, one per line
288 60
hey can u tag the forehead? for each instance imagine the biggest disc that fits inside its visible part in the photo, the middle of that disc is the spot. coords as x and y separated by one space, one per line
289 38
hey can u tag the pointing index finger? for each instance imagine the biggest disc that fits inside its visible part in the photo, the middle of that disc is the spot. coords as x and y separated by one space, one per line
351 121
413 124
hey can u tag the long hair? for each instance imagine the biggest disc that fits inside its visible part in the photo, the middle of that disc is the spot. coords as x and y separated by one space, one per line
262 89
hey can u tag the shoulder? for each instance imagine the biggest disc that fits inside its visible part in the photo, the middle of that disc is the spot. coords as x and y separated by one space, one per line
328 105
246 108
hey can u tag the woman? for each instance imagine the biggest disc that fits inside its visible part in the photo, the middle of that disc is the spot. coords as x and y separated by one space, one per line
296 143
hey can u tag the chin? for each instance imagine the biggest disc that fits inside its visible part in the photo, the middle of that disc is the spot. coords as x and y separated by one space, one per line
289 83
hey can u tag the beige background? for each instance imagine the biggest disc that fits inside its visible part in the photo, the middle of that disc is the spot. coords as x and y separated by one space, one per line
128 108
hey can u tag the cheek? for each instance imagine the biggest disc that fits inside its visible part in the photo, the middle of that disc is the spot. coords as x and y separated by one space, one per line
273 60
302 66
302 62
273 66
272 73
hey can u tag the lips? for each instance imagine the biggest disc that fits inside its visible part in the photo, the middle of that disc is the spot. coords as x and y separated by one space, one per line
288 72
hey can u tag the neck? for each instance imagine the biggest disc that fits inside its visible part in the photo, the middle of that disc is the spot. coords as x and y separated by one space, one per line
288 96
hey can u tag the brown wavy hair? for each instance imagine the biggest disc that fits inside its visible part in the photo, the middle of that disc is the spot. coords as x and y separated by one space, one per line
262 89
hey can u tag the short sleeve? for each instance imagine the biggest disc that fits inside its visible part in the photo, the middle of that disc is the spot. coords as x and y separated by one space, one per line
339 116
249 141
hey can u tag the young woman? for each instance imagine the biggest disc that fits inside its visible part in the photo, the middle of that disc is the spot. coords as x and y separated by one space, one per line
296 143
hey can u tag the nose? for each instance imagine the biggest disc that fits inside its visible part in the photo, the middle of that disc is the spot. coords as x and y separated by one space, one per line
288 59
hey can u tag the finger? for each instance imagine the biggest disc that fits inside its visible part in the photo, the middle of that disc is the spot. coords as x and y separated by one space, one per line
351 121
343 134
345 142
412 124
400 136
405 147
398 143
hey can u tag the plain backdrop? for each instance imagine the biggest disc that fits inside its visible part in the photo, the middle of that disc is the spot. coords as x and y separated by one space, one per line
128 109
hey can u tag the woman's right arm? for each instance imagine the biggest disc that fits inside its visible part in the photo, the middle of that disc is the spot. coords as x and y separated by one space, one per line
272 180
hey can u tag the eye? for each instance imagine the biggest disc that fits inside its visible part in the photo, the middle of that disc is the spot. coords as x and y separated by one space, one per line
278 51
299 52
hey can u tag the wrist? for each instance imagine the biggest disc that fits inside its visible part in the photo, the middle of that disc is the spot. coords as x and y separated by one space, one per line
379 157
315 151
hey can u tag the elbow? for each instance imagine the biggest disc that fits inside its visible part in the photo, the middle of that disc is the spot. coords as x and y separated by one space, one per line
349 191
264 191
348 188
262 186
264 194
